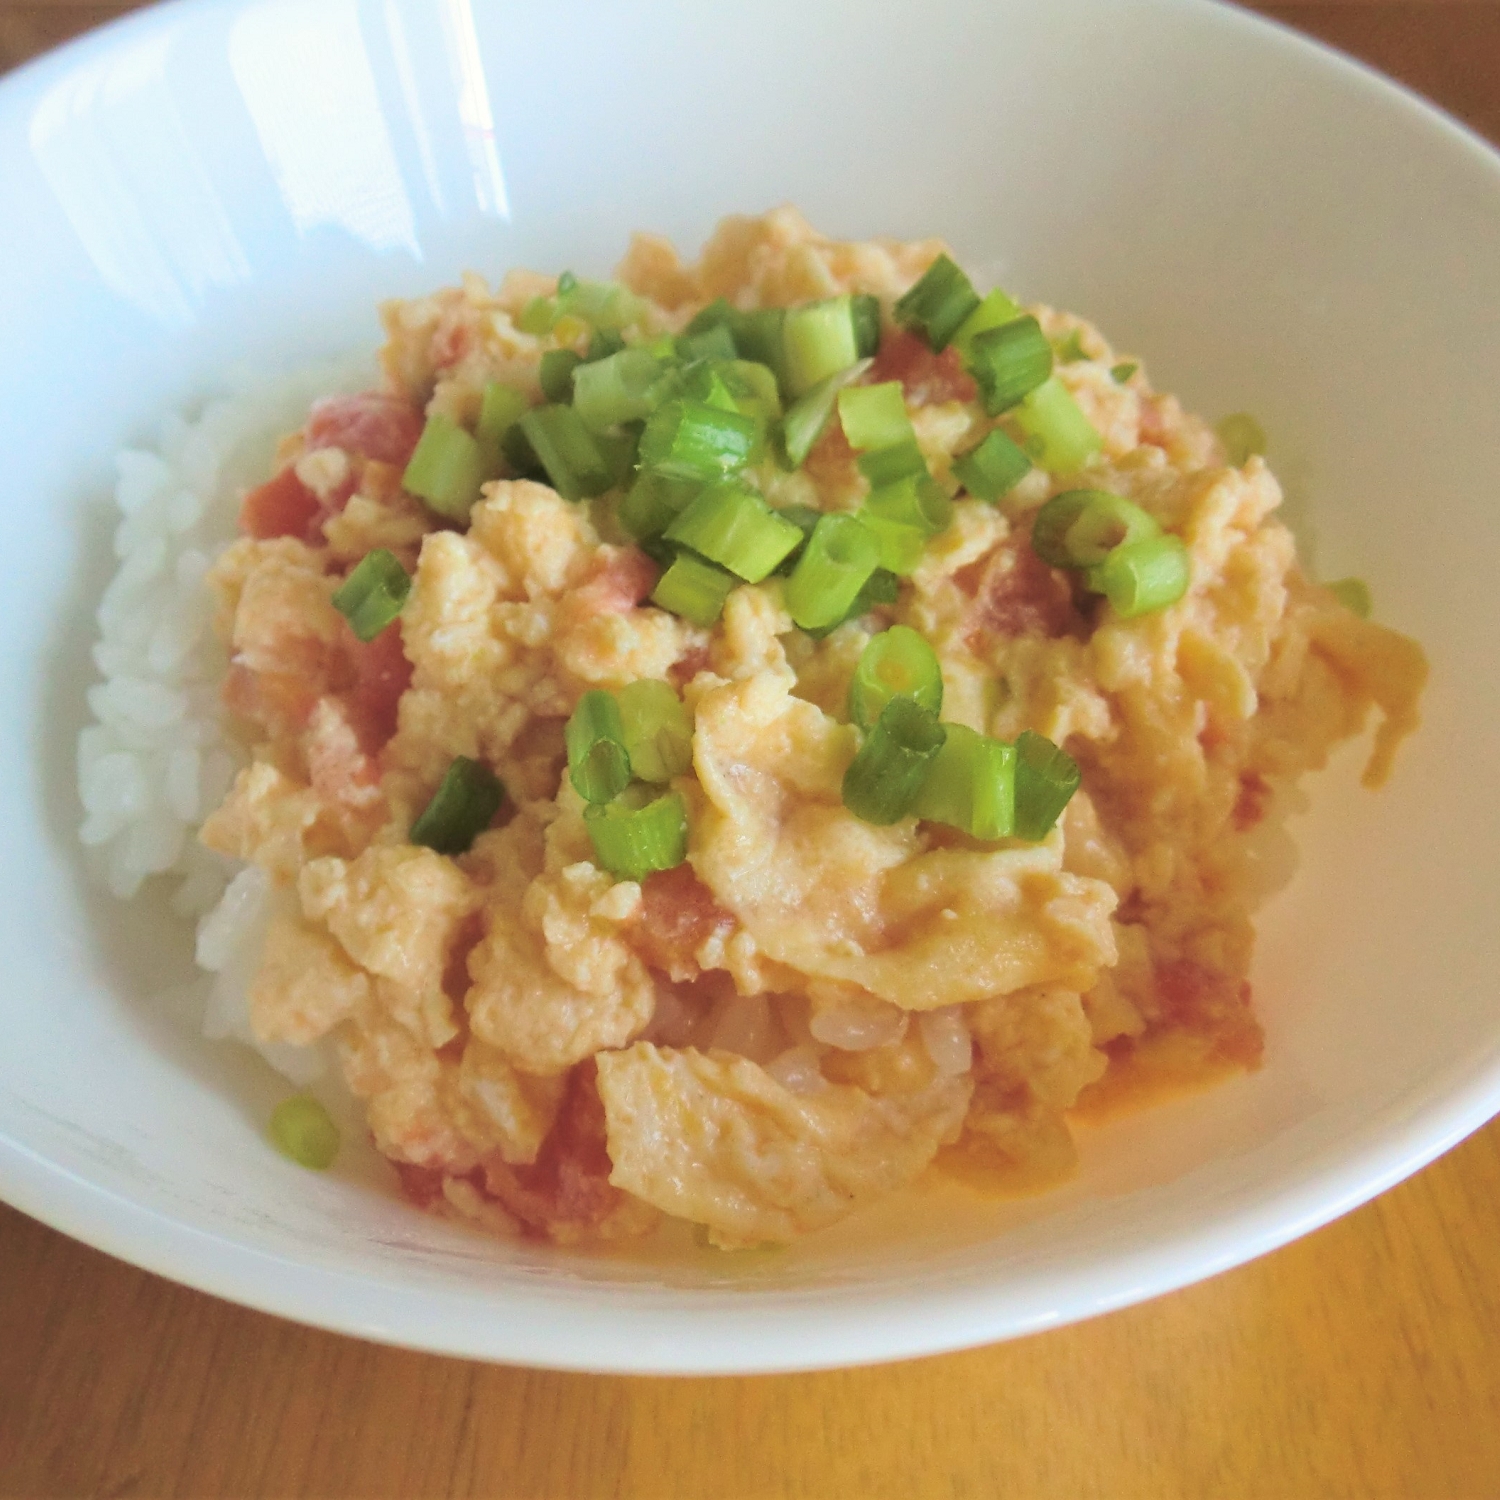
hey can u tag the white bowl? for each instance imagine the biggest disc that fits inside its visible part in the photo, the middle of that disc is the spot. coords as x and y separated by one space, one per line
1269 226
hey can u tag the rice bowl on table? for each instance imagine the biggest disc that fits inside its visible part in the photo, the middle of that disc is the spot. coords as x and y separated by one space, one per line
784 746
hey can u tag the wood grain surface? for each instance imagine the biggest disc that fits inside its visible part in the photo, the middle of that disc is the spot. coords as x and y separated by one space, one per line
1361 1361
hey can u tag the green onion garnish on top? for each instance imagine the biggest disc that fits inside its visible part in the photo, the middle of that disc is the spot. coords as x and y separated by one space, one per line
898 661
500 408
839 557
690 440
884 466
1009 362
302 1130
759 337
971 785
1352 593
633 836
446 468
716 342
373 594
866 310
718 313
1143 576
995 310
604 304
730 524
809 414
618 389
875 416
993 467
1058 437
902 546
1046 778
658 729
598 762
694 589
567 451
1079 528
468 796
921 502
538 316
556 374
819 339
653 502
885 777
1242 437
1122 372
881 587
937 306
1070 350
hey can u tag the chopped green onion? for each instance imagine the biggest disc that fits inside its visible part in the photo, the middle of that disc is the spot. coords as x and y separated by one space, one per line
938 305
881 587
885 777
818 340
619 451
759 336
901 545
567 451
1352 593
373 594
993 467
1242 437
971 785
920 502
446 468
604 304
468 796
875 416
752 387
500 408
598 763
730 524
617 389
653 502
694 589
885 466
520 455
1079 528
897 661
1122 372
808 416
712 343
1059 438
719 313
839 556
995 310
302 1130
689 440
1009 362
866 310
538 316
602 343
632 841
1046 778
658 729
1143 576
804 518
556 374
1070 350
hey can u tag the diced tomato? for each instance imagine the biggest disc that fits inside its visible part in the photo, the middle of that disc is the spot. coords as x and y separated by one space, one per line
1210 1004
831 459
567 1187
380 674
621 578
1153 426
678 915
282 506
926 377
1016 593
688 666
372 425
421 1185
1254 798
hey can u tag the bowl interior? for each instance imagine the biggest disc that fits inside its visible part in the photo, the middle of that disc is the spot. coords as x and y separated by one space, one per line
239 181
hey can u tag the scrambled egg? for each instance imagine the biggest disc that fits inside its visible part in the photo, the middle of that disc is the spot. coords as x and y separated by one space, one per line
814 1009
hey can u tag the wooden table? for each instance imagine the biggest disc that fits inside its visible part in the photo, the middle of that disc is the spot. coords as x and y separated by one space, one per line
1363 1360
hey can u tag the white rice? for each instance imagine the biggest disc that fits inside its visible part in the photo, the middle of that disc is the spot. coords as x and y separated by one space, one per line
157 758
